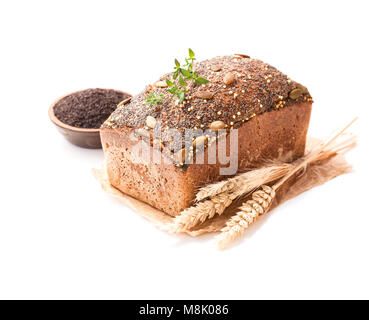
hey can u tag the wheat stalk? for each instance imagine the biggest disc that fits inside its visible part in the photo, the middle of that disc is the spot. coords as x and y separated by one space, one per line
261 200
244 183
248 181
253 179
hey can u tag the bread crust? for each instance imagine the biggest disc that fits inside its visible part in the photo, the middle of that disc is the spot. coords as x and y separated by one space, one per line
257 88
276 134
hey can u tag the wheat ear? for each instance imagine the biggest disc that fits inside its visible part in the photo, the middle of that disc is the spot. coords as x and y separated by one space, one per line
202 211
261 199
259 204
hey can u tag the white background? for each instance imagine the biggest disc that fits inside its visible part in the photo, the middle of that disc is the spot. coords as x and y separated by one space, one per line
62 237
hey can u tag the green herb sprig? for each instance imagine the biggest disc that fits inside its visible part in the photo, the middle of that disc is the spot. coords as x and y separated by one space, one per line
187 69
181 73
179 92
153 99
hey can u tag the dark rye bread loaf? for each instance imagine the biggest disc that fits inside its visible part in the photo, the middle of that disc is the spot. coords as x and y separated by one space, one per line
270 111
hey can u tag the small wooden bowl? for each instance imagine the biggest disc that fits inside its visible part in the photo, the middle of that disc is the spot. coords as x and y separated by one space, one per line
85 138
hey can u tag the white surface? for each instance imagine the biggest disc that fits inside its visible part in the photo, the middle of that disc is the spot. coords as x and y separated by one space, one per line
62 237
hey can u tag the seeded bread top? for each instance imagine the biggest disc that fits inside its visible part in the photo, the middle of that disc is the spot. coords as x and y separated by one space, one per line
239 88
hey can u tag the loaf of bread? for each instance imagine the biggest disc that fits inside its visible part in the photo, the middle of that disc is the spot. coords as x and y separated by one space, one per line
269 112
